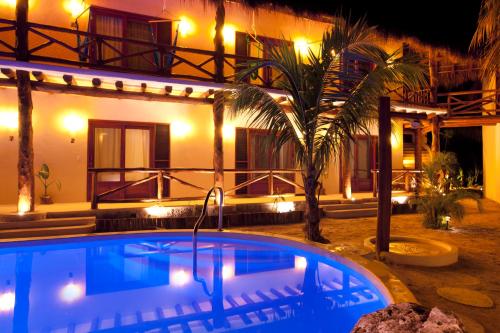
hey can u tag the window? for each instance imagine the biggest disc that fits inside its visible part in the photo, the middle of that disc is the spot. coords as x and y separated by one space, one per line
119 145
254 150
119 53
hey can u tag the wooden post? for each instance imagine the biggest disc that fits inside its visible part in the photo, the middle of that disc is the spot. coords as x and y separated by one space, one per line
159 183
385 176
218 114
346 170
418 155
270 184
93 193
26 177
220 17
435 135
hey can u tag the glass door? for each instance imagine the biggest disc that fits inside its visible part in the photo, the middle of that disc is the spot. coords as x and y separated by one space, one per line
364 150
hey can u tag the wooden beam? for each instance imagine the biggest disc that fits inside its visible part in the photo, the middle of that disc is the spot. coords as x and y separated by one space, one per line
470 121
186 92
107 93
39 76
11 74
385 176
119 85
408 115
208 93
96 82
70 81
168 90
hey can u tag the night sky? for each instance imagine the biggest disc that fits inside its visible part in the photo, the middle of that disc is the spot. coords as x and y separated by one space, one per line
440 22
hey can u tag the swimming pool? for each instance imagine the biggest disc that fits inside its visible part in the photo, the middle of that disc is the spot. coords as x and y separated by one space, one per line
152 282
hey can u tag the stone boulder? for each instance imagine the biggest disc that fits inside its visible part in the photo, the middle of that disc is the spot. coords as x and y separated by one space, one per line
409 318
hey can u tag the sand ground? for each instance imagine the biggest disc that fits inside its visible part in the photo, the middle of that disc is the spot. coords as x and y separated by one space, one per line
477 236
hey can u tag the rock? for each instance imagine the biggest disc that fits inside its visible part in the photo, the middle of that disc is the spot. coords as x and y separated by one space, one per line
439 321
408 318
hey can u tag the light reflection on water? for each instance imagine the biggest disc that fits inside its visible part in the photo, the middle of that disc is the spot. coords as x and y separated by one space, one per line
148 284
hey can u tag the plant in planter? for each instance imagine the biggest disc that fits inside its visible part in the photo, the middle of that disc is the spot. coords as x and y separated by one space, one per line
44 175
442 192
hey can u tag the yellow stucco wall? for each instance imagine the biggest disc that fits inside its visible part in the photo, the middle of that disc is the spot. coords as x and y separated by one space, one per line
491 162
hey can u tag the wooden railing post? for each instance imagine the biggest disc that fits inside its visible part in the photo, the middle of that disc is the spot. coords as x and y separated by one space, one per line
93 191
271 183
99 59
375 182
385 176
159 184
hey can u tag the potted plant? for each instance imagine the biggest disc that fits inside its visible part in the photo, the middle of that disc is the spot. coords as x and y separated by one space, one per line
44 175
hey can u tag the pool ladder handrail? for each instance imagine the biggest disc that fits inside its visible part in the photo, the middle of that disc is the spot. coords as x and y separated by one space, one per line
204 210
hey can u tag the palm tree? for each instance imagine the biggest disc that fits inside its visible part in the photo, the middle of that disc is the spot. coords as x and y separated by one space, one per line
328 104
487 37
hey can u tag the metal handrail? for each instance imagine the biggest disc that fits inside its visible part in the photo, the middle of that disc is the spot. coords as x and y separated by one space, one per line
205 208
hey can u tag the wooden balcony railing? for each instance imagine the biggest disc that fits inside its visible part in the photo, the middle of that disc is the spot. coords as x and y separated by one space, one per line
471 103
160 175
402 180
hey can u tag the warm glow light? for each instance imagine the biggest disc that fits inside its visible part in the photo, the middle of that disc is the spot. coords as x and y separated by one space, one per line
394 141
228 131
301 46
180 278
285 206
74 7
71 292
23 201
73 123
9 120
7 301
227 272
348 192
229 33
400 199
181 129
10 3
300 263
186 26
158 211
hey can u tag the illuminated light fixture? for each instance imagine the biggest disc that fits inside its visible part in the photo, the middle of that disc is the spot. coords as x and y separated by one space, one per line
229 34
74 7
180 278
71 292
180 129
401 199
227 272
300 263
228 131
74 124
285 206
7 301
301 46
158 211
23 201
186 26
10 121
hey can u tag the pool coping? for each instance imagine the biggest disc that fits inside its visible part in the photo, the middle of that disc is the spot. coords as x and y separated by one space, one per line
389 285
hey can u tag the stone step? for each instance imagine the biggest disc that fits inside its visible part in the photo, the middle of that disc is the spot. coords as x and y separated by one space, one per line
48 223
44 232
351 213
350 206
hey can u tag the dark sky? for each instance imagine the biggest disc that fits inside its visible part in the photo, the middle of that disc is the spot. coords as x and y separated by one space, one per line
440 22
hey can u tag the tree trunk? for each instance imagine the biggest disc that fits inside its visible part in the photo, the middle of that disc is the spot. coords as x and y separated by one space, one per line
312 213
435 136
433 77
346 170
218 114
220 16
26 179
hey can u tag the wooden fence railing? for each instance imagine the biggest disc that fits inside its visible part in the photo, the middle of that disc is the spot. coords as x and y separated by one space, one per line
402 179
160 175
470 103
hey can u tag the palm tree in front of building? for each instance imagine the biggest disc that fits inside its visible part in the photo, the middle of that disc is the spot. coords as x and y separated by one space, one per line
487 38
327 104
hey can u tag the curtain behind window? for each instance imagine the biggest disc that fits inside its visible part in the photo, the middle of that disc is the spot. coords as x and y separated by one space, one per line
110 26
107 146
137 148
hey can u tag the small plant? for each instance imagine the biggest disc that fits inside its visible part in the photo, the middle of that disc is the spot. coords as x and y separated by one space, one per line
44 175
442 192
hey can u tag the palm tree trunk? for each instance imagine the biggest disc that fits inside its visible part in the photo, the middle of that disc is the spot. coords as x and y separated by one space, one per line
220 17
218 158
26 178
312 213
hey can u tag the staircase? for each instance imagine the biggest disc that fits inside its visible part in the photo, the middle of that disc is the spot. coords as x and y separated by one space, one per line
350 210
15 227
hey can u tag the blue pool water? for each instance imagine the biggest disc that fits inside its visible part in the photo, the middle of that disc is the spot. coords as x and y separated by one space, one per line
153 283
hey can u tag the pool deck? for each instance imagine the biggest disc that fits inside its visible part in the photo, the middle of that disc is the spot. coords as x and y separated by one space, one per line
85 206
